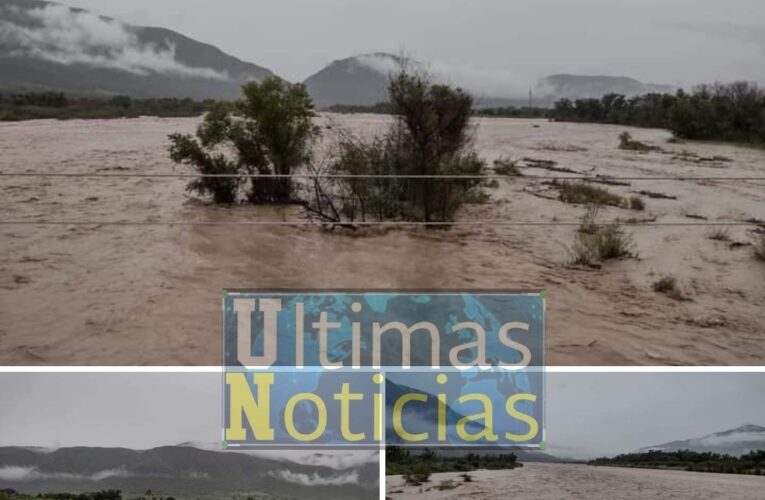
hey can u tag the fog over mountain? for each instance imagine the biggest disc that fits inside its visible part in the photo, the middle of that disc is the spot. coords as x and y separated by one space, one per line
676 42
362 80
736 442
45 45
178 471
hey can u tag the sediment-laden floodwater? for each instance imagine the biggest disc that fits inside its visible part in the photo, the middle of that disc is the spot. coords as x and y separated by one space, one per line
150 294
558 482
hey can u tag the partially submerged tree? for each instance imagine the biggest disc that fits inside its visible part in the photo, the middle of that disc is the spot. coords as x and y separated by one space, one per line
422 169
271 133
219 172
281 114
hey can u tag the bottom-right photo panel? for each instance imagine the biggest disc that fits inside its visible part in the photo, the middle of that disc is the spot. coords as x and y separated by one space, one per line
611 435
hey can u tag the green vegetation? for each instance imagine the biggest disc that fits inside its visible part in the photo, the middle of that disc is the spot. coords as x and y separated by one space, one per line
386 108
752 463
759 247
429 136
719 234
637 203
446 485
669 287
506 166
595 244
418 467
627 143
381 108
56 105
270 132
9 494
589 223
513 112
733 112
581 193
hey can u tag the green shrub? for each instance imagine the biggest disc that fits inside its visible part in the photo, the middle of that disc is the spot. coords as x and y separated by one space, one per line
759 247
420 475
608 242
626 142
719 234
582 193
446 485
669 287
185 150
589 223
506 166
429 137
613 242
270 133
637 203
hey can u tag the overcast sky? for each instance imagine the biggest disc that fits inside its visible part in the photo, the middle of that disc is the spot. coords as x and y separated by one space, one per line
587 415
680 42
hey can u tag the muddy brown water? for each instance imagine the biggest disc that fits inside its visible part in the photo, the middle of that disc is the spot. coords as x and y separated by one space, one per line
557 481
150 295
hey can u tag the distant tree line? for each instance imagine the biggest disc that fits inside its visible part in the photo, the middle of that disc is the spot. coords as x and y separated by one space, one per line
401 461
11 494
733 112
18 106
514 112
387 108
381 108
111 494
751 463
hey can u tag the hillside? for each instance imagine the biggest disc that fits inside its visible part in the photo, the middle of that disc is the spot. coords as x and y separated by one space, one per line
588 86
178 471
47 46
362 80
356 81
735 442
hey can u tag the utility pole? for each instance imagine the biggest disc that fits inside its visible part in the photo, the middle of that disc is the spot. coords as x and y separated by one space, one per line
531 97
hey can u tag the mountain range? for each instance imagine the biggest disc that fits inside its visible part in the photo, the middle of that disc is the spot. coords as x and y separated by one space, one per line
362 80
48 46
735 442
178 471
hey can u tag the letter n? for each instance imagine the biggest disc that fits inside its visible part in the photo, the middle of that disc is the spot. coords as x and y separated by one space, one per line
242 402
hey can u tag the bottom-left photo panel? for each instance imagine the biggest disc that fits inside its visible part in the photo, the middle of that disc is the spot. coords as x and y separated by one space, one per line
110 436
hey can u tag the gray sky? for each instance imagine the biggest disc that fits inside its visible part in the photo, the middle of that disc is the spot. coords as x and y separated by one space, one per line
591 415
587 414
680 42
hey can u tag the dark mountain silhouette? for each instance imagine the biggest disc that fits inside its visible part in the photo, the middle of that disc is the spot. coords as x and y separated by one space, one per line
736 442
111 58
179 471
360 80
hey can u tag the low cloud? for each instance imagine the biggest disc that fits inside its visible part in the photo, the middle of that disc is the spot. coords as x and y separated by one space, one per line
733 438
58 34
338 460
16 473
481 82
315 479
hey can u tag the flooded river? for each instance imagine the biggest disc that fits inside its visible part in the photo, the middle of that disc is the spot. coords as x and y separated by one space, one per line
150 294
559 482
